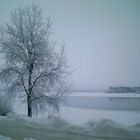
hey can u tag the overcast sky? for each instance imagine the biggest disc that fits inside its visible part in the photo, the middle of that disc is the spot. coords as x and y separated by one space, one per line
102 38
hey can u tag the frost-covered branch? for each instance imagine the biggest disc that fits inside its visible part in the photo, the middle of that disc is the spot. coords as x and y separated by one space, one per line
32 65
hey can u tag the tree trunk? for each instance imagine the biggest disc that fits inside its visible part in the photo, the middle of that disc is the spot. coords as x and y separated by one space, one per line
29 106
29 90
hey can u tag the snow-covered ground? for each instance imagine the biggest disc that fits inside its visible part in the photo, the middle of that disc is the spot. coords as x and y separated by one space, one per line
14 127
73 123
82 115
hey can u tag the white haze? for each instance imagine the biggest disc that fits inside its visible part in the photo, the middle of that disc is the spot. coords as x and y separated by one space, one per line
101 37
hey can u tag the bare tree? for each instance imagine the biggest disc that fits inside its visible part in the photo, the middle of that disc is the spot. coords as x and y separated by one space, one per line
32 68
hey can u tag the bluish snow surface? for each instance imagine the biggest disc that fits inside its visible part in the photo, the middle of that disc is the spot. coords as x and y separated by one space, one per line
15 127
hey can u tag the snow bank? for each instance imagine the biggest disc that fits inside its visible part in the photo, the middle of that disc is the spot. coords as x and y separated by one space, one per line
59 124
109 128
55 123
41 128
4 138
29 139
7 138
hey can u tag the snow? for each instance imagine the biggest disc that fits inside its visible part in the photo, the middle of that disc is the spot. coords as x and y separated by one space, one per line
4 138
7 138
74 114
15 127
102 94
29 139
72 123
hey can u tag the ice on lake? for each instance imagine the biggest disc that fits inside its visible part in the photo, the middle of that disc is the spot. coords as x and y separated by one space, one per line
83 107
81 115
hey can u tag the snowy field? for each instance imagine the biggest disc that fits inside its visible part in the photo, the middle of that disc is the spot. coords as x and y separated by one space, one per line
81 115
74 123
14 127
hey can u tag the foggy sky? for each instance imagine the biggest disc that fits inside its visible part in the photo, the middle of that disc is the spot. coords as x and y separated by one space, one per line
102 38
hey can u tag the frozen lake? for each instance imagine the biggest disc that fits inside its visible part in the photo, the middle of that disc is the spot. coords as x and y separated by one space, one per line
123 108
81 107
105 101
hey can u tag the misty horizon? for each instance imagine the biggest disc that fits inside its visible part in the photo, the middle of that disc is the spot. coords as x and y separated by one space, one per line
101 37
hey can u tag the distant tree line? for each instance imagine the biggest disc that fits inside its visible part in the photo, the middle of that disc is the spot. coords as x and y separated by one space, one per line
123 89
